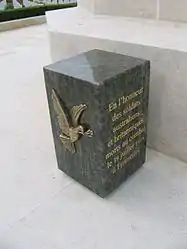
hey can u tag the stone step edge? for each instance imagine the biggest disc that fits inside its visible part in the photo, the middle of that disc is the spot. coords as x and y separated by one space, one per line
21 23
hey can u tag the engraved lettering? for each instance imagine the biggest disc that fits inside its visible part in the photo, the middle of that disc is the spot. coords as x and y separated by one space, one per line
128 131
112 107
116 116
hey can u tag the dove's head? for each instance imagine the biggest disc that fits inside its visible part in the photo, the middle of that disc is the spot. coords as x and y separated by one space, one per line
81 129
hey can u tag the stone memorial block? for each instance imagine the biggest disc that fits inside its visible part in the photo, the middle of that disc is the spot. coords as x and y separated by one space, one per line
98 103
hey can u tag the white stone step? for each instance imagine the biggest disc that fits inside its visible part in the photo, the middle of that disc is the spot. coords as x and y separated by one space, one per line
163 43
148 32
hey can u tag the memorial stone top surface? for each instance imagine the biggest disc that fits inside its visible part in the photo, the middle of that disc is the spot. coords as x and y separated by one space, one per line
96 66
98 104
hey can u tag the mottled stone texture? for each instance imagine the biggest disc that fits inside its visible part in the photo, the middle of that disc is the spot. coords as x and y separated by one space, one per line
98 78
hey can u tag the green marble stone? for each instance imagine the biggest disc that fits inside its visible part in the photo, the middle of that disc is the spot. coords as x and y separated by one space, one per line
115 89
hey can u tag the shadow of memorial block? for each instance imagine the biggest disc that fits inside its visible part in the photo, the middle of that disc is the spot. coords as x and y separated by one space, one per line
98 103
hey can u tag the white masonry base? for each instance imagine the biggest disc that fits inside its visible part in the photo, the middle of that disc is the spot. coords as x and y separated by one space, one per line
75 30
21 23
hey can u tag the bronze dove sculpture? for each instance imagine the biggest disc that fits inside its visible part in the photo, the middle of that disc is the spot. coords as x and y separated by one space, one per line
71 130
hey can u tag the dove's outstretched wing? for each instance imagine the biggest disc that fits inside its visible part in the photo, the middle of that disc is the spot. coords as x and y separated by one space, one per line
61 116
63 123
67 144
76 113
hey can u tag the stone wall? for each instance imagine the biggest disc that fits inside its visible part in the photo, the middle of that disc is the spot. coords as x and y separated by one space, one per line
175 10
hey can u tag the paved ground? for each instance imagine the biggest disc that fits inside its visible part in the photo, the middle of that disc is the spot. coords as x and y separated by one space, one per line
41 208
